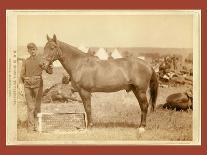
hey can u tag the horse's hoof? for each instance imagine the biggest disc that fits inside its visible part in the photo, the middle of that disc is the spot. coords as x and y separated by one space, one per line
81 130
90 125
141 130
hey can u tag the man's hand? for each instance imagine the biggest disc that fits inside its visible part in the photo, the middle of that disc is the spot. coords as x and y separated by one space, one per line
50 69
21 89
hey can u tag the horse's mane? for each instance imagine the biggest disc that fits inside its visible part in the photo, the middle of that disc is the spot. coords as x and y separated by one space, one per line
72 49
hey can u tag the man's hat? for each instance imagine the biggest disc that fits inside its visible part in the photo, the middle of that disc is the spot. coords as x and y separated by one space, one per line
31 45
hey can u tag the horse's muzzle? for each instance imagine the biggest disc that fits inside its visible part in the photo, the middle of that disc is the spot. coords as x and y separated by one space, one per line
47 67
44 64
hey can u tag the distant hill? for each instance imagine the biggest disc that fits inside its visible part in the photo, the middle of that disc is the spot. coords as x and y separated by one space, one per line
127 51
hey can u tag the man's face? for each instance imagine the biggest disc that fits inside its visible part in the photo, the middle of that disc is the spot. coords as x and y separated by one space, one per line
32 51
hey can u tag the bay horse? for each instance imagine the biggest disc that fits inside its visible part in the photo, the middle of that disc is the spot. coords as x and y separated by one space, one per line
90 74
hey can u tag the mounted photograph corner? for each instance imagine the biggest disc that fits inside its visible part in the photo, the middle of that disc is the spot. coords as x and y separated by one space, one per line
100 77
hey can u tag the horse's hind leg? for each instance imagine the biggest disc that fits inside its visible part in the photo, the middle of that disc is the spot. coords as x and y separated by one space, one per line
86 98
142 99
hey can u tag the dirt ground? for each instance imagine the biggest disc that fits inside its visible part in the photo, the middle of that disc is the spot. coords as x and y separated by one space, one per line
116 117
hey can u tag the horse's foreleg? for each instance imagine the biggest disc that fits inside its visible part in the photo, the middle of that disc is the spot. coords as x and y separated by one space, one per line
142 99
86 98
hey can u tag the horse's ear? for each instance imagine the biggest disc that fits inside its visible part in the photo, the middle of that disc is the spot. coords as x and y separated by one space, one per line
54 38
48 38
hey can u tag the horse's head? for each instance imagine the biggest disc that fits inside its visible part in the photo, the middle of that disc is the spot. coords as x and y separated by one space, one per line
51 52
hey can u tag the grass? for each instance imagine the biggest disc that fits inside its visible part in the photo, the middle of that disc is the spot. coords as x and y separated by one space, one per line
162 125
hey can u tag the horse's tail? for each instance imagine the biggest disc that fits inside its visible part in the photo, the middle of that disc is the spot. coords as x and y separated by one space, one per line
153 89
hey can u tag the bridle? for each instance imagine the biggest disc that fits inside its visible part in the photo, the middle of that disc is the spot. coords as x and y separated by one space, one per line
56 55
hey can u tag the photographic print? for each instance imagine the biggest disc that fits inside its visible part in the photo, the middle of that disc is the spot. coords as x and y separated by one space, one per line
103 77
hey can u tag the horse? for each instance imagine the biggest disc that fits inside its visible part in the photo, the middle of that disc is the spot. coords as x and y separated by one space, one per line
180 101
90 74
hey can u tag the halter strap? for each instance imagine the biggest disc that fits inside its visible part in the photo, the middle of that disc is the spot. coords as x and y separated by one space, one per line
57 55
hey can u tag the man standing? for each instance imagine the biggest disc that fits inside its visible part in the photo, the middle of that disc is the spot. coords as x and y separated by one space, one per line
31 77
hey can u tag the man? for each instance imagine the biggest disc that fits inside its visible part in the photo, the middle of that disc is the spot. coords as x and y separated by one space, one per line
31 77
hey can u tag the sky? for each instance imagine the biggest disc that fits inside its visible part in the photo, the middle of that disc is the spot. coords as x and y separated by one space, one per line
165 31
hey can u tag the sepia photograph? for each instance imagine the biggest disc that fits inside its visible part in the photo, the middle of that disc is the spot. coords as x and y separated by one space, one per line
103 77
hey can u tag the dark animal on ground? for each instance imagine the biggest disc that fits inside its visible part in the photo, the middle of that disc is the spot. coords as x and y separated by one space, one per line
61 92
179 101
